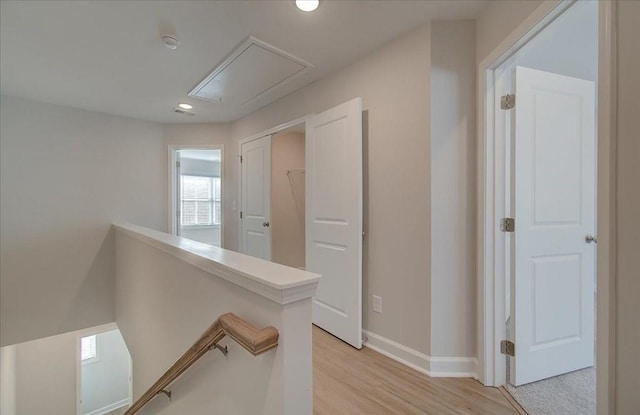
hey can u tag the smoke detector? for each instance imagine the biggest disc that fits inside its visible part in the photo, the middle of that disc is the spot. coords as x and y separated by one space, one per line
170 41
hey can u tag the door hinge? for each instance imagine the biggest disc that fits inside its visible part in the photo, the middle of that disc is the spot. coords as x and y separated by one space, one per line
507 101
240 159
177 164
507 224
508 347
240 214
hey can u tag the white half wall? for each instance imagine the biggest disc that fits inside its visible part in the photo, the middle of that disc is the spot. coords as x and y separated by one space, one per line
168 294
67 174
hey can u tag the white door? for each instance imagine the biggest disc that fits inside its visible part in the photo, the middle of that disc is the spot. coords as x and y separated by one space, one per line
255 237
552 307
334 218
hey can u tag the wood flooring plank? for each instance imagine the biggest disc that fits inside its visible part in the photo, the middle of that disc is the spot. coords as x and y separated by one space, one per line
348 381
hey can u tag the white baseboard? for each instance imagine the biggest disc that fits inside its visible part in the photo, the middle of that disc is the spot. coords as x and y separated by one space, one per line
449 367
111 407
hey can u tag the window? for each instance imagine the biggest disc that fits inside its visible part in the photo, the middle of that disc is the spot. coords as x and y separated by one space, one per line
88 349
201 200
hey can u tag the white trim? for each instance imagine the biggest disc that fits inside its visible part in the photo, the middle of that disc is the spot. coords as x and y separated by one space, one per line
276 129
276 282
491 194
450 367
491 255
606 210
172 148
239 50
110 407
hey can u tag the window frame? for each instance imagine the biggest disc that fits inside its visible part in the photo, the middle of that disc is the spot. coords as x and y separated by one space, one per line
212 201
96 356
173 219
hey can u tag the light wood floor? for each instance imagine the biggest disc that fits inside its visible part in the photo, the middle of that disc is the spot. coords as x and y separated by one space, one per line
347 381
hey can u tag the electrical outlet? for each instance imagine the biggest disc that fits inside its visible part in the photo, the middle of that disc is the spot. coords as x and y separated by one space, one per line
377 304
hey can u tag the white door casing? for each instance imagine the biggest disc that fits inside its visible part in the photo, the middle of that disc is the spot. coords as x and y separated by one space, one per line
178 195
553 267
334 218
255 237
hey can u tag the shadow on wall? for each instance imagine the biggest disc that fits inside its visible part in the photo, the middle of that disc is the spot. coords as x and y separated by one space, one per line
98 282
365 218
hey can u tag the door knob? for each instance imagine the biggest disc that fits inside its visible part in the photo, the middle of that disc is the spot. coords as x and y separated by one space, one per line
591 238
265 224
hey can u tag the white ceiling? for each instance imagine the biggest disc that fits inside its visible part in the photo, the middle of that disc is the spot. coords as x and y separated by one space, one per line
107 55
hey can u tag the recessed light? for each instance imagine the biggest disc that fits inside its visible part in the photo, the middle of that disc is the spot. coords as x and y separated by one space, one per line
185 106
307 5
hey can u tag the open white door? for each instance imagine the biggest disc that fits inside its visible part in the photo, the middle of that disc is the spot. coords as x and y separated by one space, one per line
552 297
334 218
255 237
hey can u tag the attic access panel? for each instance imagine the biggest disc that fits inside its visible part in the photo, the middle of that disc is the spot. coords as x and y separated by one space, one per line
252 70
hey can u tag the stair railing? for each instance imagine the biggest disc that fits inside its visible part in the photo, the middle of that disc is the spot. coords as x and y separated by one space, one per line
253 340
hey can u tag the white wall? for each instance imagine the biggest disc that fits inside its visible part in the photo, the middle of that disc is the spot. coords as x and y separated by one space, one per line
568 46
46 376
453 188
67 174
44 373
8 380
628 206
105 381
394 85
209 134
287 200
498 20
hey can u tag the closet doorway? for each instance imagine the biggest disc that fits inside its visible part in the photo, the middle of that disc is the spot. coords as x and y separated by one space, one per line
273 202
288 197
288 207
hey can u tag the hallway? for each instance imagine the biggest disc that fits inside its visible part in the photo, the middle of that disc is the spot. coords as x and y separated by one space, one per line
350 381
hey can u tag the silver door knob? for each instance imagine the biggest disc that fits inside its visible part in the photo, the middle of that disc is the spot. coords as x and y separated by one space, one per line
591 238
265 224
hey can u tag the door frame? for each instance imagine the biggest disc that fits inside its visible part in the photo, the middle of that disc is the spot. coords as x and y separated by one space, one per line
240 182
172 222
270 131
491 196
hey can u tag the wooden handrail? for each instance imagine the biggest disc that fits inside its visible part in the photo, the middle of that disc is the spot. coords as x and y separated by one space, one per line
253 340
